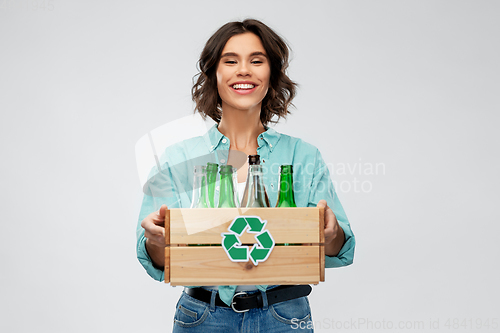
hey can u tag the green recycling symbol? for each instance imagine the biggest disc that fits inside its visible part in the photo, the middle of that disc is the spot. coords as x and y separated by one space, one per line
241 253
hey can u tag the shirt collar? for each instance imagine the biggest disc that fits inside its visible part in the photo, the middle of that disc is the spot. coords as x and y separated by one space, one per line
213 138
270 137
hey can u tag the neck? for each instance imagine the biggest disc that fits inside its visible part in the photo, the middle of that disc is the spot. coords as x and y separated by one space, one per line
241 127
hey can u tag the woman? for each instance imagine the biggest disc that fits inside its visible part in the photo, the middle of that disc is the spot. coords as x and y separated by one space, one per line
242 85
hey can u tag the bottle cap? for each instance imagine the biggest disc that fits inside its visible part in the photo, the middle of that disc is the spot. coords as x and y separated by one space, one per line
253 159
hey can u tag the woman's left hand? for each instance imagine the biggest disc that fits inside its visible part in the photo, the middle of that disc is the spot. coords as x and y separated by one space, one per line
334 235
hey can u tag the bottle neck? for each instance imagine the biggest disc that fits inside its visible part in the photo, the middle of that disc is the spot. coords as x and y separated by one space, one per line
285 195
211 179
255 169
199 198
226 197
204 203
255 194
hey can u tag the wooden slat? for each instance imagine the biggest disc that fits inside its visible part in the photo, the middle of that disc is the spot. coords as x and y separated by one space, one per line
205 225
195 266
322 244
167 247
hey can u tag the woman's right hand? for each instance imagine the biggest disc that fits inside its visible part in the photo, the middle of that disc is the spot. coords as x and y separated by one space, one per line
154 231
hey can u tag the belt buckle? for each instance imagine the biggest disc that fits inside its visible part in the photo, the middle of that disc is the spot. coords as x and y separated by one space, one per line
233 302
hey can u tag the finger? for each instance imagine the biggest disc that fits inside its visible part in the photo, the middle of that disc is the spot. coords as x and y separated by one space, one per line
156 239
157 220
151 221
150 235
153 229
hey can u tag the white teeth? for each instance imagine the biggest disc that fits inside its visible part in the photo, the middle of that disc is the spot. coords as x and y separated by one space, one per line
243 86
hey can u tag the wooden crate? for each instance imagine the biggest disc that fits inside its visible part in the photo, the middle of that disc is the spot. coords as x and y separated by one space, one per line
194 255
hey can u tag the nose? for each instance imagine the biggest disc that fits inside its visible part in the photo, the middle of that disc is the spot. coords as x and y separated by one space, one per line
243 69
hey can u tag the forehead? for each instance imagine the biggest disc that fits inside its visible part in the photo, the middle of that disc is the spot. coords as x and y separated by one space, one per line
244 44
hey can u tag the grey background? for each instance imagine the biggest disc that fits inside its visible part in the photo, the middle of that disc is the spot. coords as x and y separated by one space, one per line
410 85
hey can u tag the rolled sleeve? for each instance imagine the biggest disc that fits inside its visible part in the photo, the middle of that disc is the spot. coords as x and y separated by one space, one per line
145 259
345 256
322 188
157 191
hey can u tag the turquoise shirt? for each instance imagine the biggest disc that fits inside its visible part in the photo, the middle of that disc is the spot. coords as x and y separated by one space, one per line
171 183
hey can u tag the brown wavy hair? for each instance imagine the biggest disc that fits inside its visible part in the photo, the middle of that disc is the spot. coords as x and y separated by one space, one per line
281 89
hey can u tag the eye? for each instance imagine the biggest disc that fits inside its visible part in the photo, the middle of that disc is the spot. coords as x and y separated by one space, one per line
232 62
256 62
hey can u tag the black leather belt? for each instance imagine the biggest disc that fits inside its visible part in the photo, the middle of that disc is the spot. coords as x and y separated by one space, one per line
243 302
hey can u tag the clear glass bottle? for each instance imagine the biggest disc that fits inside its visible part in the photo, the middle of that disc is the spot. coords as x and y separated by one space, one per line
200 190
255 194
227 193
285 188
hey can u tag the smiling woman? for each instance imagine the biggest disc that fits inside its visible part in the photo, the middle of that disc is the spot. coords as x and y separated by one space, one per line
227 49
242 86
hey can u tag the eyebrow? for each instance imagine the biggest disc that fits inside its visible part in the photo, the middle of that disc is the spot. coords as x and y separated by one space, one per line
253 54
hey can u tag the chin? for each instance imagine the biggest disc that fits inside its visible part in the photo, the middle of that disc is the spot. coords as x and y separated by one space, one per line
246 107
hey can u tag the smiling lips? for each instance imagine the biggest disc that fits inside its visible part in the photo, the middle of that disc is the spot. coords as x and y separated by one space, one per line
243 88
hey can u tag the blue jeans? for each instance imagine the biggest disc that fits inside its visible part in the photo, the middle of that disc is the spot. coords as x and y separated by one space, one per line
192 315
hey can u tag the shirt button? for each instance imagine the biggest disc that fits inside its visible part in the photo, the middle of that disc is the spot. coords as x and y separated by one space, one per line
223 161
212 147
217 188
272 185
270 145
224 140
263 161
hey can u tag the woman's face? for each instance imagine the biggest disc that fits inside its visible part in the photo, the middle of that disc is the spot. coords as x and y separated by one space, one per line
243 73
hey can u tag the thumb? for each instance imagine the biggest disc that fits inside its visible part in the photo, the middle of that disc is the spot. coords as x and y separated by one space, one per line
322 204
162 210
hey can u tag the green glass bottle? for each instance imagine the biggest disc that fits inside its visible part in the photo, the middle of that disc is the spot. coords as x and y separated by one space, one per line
212 169
285 189
226 194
